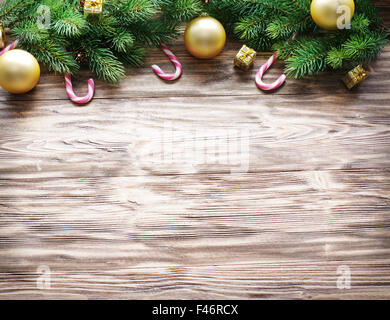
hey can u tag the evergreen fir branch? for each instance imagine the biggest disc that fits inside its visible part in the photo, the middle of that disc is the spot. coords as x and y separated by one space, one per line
301 5
307 61
365 47
369 10
285 28
276 6
286 48
9 7
57 6
103 62
71 24
224 10
101 26
360 23
29 33
250 27
154 32
133 57
180 10
261 43
336 57
53 55
14 11
131 11
122 40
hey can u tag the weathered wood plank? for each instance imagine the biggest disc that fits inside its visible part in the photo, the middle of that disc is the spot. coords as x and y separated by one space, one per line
249 280
182 135
158 236
382 4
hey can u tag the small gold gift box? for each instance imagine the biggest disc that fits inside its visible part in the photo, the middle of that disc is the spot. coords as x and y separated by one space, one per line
356 76
93 6
245 58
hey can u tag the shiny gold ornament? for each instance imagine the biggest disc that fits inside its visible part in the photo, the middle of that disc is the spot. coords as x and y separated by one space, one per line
19 71
245 58
204 37
93 6
2 37
356 76
326 13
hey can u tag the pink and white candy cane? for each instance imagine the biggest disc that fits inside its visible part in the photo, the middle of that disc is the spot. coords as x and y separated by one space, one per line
263 69
259 76
10 47
172 57
71 94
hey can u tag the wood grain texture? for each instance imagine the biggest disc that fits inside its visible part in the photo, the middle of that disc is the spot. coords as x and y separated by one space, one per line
137 195
287 133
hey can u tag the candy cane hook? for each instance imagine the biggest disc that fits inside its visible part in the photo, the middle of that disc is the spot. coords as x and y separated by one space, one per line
172 57
10 47
71 94
259 76
263 69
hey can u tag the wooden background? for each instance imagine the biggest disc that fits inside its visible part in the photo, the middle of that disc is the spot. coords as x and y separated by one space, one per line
85 193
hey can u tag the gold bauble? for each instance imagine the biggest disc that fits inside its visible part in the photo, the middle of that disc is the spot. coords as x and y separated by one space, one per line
204 37
325 12
19 71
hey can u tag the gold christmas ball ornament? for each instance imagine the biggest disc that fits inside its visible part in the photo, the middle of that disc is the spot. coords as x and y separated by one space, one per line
19 71
332 14
204 37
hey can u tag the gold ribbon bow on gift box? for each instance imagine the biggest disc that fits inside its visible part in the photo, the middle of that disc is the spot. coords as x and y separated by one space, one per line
356 76
93 6
245 58
246 54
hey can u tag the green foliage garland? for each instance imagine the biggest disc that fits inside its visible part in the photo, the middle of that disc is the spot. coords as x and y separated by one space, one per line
111 40
269 24
127 28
